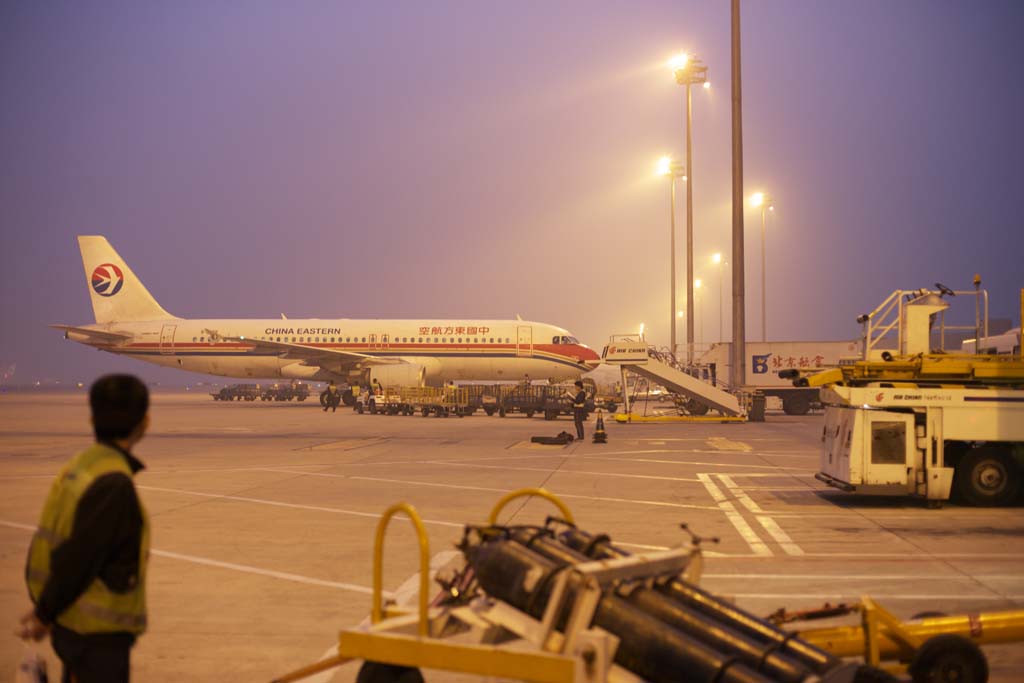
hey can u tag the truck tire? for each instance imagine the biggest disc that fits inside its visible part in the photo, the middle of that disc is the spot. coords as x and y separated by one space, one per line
948 658
695 407
986 477
796 405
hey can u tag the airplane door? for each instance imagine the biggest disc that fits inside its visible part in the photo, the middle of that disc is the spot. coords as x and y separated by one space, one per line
167 339
378 341
524 341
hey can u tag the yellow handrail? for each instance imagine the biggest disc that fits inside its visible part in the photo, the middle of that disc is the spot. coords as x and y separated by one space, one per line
522 493
377 612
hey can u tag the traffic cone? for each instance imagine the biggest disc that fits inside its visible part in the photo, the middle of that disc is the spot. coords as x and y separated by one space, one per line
600 436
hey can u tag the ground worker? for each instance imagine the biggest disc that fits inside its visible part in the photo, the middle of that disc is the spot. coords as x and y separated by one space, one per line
579 408
333 397
377 388
86 569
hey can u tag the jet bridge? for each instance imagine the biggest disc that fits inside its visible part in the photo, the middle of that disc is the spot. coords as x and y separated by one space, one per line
632 352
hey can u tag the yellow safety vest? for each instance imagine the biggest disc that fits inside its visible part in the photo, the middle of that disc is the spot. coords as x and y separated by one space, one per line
97 609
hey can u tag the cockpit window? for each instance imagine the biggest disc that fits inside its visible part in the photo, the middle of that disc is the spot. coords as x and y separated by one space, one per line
565 340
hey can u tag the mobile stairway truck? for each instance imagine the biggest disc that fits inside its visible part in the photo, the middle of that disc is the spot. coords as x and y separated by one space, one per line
911 418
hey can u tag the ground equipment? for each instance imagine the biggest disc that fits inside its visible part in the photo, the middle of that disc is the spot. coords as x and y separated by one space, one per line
556 604
911 418
285 392
238 392
933 648
765 360
632 353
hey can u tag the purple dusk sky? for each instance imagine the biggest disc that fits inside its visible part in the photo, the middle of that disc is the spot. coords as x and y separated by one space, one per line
483 159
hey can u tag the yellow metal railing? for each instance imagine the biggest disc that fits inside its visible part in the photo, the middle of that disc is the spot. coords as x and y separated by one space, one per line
525 493
377 610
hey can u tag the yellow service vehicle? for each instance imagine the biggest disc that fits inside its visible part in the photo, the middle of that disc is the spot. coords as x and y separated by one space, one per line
916 419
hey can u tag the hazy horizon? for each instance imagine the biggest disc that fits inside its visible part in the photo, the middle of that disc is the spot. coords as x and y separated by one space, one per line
460 160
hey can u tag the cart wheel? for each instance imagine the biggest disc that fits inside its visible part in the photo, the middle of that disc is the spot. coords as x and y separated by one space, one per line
696 407
425 412
796 405
529 413
377 672
550 414
948 658
489 411
987 476
359 408
501 412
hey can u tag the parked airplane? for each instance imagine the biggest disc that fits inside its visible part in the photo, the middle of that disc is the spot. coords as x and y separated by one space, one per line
130 322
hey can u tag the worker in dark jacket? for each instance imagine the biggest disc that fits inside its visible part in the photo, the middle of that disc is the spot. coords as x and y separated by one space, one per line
86 569
579 408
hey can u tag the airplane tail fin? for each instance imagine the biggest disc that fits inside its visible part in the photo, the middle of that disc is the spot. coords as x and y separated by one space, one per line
115 292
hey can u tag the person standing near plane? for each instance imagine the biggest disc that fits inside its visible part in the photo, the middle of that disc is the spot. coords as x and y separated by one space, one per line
333 398
579 408
378 390
86 569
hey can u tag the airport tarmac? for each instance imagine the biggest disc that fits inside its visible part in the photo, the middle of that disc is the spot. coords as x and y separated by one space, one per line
263 519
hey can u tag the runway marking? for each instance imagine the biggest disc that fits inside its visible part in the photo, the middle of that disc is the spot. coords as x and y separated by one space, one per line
780 536
656 503
343 445
541 469
887 596
692 462
723 443
286 576
735 490
868 577
276 503
753 540
769 524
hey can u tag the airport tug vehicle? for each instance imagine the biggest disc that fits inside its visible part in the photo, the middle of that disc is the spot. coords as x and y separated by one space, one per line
912 418
556 604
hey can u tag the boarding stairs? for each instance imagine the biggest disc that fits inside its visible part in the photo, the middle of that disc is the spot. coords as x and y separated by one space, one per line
632 352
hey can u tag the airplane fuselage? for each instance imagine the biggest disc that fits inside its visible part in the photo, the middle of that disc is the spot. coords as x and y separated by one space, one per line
428 351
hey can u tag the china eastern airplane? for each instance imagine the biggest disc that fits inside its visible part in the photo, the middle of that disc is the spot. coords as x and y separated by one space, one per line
130 322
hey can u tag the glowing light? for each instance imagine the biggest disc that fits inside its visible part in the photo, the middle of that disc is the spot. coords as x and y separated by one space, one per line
707 85
679 61
641 329
757 199
680 314
697 283
664 166
716 258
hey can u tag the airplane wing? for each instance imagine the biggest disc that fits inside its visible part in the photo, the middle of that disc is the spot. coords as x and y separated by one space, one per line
312 355
90 335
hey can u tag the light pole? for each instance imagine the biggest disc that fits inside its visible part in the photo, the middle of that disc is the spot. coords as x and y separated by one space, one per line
717 259
765 202
688 71
697 284
673 169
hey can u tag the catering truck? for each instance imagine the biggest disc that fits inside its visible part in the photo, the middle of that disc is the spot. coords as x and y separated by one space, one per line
766 359
913 417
